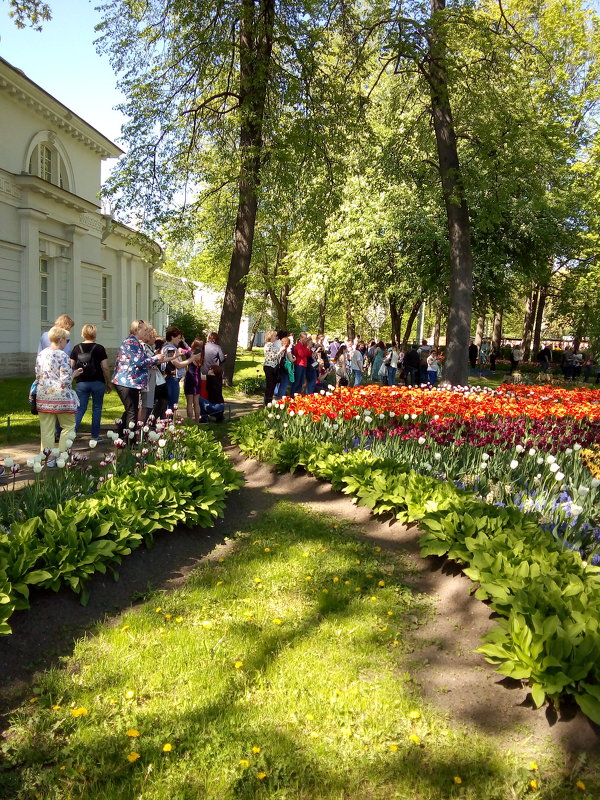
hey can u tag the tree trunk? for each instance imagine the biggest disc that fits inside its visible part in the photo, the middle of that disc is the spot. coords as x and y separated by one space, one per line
255 46
456 365
322 311
411 321
497 330
255 328
396 318
479 331
539 319
437 327
530 312
350 324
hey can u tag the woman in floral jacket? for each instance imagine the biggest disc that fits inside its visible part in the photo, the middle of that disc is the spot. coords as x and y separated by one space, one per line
131 370
56 399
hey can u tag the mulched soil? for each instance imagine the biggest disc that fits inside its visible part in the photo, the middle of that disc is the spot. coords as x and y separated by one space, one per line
450 675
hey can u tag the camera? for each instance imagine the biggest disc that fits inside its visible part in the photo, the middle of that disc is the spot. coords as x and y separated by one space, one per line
170 351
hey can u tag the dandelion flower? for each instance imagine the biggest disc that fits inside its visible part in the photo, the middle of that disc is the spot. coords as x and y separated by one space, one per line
55 708
132 732
457 779
393 747
33 699
256 750
244 763
390 613
221 560
167 747
129 694
381 584
219 583
414 738
414 714
79 712
314 734
277 621
309 716
207 624
133 756
308 578
158 609
533 783
178 619
238 664
533 766
257 580
168 616
336 579
261 775
580 785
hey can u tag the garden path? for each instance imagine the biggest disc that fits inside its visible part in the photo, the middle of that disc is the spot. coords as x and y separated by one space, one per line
450 675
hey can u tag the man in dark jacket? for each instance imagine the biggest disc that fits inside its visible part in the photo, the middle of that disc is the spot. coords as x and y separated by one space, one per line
411 365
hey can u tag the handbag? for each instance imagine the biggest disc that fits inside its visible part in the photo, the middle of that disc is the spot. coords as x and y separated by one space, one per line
33 398
382 370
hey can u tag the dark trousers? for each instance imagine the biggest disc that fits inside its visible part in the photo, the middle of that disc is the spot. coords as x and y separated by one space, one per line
299 373
131 402
271 382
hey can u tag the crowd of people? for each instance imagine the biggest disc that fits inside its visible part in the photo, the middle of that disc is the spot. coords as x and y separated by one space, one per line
307 364
147 377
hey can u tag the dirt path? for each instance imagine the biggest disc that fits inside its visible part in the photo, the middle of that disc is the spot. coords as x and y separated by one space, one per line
449 673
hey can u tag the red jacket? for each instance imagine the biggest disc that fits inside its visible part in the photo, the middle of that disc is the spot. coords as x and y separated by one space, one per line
302 353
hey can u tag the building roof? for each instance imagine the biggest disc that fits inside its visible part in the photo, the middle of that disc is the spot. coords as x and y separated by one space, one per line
16 83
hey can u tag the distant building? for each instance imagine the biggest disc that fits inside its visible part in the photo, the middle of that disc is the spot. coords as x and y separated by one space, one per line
58 252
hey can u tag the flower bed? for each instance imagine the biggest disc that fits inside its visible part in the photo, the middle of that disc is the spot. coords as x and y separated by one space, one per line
517 529
187 483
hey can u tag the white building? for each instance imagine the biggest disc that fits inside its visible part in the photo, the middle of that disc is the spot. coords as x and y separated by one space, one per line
58 252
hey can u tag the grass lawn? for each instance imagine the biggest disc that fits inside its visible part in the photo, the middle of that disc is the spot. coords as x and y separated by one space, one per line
278 671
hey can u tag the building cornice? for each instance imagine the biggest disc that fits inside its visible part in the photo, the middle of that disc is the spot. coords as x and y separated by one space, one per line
31 183
22 89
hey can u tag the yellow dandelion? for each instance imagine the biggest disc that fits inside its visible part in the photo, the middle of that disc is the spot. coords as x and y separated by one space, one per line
238 664
267 549
261 775
257 580
395 643
158 610
533 766
278 621
358 589
373 599
314 734
381 583
345 731
167 747
168 616
414 714
256 541
256 750
304 555
325 591
133 756
221 560
457 779
55 708
309 716
336 579
178 619
580 785
308 578
132 732
129 694
207 624
219 583
369 576
414 738
79 712
533 783
244 763
63 767
390 613
346 583
383 628
33 699
378 549
393 747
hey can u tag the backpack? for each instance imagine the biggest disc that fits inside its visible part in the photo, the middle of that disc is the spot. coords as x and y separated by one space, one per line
423 356
84 361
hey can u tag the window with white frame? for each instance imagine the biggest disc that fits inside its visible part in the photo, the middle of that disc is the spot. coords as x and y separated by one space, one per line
44 289
47 164
106 298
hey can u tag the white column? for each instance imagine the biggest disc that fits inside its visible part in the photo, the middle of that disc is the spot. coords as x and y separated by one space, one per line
74 276
29 333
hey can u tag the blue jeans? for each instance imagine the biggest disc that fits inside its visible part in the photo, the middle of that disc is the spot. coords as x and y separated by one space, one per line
432 375
84 389
214 409
357 376
299 373
281 388
311 379
172 392
391 376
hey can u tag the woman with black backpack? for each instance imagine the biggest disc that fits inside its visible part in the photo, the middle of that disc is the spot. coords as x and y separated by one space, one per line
94 381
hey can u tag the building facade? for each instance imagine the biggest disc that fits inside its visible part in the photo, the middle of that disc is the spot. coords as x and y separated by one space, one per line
58 252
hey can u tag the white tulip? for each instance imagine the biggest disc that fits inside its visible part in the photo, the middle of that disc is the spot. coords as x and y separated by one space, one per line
92 443
532 451
539 460
550 459
162 442
485 456
576 446
8 462
437 456
576 510
29 462
514 463
131 425
559 476
37 468
568 451
483 466
55 452
595 483
583 491
519 448
421 440
291 413
554 467
60 463
368 419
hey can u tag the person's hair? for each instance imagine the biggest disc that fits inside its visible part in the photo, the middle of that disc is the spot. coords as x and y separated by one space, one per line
285 342
197 347
381 345
56 333
268 335
281 334
217 370
424 341
64 321
159 344
136 325
341 350
89 331
213 337
172 332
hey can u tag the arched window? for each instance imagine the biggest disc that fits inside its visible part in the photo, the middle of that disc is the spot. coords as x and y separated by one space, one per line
47 158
